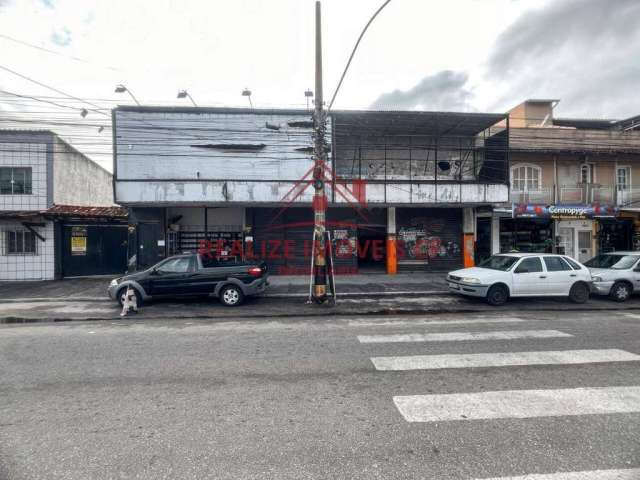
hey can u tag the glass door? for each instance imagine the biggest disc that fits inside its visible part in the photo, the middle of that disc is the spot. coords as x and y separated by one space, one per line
565 241
585 251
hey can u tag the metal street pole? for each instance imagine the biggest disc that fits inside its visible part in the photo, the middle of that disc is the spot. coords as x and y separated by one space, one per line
319 277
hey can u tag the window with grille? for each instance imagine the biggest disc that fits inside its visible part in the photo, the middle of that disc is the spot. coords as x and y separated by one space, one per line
526 178
15 181
20 242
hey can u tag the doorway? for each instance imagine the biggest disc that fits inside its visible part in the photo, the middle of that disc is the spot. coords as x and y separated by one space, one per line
372 250
483 238
575 239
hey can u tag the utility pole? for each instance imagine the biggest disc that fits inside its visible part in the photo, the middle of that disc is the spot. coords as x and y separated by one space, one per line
319 273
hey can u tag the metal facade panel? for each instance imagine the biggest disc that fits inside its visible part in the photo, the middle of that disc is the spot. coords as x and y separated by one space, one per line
184 146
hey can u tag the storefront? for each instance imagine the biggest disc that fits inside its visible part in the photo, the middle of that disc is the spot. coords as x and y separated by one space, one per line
578 231
429 239
534 235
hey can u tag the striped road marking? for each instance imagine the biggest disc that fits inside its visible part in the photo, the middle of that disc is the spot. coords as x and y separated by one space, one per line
395 323
518 404
562 357
461 336
627 474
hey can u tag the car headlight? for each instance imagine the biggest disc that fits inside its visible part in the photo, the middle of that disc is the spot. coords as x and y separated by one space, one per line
114 282
596 279
470 280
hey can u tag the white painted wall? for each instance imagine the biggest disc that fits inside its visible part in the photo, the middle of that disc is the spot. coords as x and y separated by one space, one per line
159 145
27 267
157 164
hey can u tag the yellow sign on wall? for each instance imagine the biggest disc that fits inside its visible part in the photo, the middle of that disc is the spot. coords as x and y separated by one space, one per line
78 241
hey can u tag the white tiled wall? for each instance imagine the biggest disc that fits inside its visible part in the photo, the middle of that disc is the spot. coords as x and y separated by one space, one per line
27 267
32 155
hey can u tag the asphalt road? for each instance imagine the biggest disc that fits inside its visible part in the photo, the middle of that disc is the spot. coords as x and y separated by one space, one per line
321 398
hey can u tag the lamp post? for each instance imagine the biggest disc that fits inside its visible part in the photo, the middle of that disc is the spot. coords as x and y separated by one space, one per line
185 94
120 88
247 93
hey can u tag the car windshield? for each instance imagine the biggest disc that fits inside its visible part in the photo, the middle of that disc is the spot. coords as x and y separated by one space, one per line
615 262
498 262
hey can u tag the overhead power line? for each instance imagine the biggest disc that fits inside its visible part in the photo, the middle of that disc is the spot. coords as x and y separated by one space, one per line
353 52
96 109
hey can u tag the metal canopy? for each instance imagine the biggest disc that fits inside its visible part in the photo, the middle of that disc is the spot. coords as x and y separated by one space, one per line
414 123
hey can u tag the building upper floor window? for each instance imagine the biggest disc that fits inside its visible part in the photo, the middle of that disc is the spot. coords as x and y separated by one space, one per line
20 242
526 178
587 173
15 181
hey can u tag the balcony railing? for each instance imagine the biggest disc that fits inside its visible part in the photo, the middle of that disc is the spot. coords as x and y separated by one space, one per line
620 195
541 195
587 193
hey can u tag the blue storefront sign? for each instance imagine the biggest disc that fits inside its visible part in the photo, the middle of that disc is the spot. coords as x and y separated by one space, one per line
569 211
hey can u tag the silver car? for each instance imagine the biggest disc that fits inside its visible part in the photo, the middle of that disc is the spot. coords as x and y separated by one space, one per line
616 274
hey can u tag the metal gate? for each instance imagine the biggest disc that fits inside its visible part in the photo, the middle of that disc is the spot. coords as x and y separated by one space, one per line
93 249
429 239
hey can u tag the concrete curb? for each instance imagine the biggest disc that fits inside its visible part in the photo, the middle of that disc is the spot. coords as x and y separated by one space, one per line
390 312
268 295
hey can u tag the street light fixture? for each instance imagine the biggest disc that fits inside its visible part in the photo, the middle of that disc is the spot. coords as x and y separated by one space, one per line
185 94
308 95
247 93
120 88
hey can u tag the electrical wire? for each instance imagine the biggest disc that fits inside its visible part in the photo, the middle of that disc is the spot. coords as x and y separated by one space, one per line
96 108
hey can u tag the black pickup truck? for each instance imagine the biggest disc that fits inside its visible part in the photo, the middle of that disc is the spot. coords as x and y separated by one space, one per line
193 275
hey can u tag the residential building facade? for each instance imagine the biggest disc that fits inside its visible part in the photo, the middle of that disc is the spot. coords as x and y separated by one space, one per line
403 187
41 177
574 185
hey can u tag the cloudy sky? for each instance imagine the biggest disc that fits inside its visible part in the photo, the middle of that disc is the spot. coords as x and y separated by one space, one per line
464 55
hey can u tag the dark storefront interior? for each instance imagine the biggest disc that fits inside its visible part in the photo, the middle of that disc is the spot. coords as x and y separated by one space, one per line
527 235
615 235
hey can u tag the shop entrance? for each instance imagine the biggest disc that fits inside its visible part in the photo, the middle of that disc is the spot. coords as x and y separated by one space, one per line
483 238
372 250
526 235
575 239
615 235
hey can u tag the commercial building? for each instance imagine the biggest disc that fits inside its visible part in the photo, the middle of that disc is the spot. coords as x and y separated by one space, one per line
56 211
572 184
403 187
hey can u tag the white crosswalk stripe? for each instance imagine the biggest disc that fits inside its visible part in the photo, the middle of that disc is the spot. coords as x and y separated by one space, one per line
427 323
518 404
461 336
504 404
625 474
474 360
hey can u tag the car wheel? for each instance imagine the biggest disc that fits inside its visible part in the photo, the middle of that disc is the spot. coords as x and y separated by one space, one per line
497 295
579 293
231 296
123 292
620 292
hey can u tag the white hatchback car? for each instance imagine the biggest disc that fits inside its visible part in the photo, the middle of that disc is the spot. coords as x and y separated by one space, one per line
523 275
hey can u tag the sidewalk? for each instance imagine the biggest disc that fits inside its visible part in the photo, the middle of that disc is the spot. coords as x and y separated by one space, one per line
257 308
94 289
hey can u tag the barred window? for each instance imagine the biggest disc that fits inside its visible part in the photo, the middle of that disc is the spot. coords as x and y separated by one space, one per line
15 181
20 242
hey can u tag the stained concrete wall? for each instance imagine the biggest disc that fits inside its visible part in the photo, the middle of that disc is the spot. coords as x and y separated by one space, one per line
77 180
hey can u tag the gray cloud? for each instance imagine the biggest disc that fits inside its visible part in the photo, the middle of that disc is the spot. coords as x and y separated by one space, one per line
444 90
61 37
585 52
